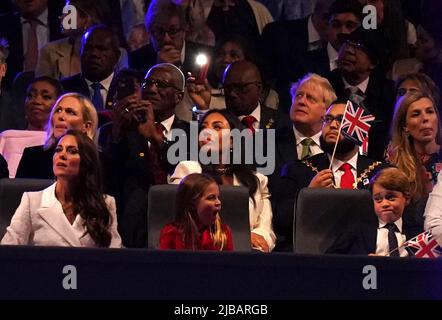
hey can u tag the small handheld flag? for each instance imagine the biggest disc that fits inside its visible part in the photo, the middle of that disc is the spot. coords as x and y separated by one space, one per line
356 123
424 245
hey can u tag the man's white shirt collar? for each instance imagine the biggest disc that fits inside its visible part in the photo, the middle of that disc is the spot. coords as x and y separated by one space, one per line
353 162
42 18
361 86
299 137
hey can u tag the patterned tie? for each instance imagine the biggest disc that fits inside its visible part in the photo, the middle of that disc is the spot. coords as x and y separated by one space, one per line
306 151
97 98
347 179
158 172
248 121
31 56
392 240
355 94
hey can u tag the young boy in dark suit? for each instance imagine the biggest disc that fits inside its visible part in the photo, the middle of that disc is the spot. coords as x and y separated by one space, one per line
383 236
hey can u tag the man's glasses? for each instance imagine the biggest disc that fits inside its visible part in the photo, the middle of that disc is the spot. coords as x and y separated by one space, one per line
239 87
328 119
160 33
160 84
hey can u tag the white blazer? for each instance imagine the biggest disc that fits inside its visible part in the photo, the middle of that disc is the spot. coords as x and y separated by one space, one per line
39 220
433 211
260 216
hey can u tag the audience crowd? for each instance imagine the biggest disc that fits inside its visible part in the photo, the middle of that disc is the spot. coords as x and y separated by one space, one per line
106 107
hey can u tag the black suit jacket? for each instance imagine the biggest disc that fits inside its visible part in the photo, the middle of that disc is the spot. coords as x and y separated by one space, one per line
298 175
129 177
272 119
11 29
361 239
379 101
77 83
146 57
317 61
36 163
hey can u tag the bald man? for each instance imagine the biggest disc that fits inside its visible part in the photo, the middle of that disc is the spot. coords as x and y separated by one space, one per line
243 91
136 152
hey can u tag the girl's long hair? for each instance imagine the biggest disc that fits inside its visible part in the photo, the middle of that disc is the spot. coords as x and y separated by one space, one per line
190 190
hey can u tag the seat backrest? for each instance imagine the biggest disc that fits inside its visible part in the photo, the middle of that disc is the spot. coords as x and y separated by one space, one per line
11 191
234 212
321 215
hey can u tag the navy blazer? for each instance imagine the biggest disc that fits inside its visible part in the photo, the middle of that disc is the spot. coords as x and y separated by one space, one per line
361 239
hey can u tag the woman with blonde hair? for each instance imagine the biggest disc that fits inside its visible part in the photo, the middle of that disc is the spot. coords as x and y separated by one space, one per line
415 141
70 111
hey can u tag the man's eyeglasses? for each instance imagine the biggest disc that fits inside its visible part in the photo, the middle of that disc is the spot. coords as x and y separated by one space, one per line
329 119
239 87
160 84
160 33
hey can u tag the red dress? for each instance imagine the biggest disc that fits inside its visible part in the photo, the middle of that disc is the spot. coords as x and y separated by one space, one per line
171 237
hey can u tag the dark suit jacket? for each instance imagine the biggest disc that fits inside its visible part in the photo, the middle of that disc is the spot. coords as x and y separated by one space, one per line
129 176
317 61
11 29
36 163
298 175
379 101
272 119
77 83
361 239
146 57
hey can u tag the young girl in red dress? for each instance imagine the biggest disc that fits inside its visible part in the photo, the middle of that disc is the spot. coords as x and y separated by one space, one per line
197 224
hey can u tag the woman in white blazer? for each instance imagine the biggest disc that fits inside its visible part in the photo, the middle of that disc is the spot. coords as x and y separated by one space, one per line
73 211
213 126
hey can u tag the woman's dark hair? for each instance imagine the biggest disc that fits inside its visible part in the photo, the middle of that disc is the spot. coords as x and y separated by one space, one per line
87 193
244 172
53 82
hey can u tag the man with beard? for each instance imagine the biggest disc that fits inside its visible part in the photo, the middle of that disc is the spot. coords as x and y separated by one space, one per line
349 170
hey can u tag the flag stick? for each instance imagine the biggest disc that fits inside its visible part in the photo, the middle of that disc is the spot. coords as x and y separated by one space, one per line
339 136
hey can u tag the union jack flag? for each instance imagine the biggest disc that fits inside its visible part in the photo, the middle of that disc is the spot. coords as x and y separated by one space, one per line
356 123
423 245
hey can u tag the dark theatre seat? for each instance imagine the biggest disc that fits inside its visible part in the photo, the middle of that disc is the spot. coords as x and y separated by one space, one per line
234 212
11 191
321 215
